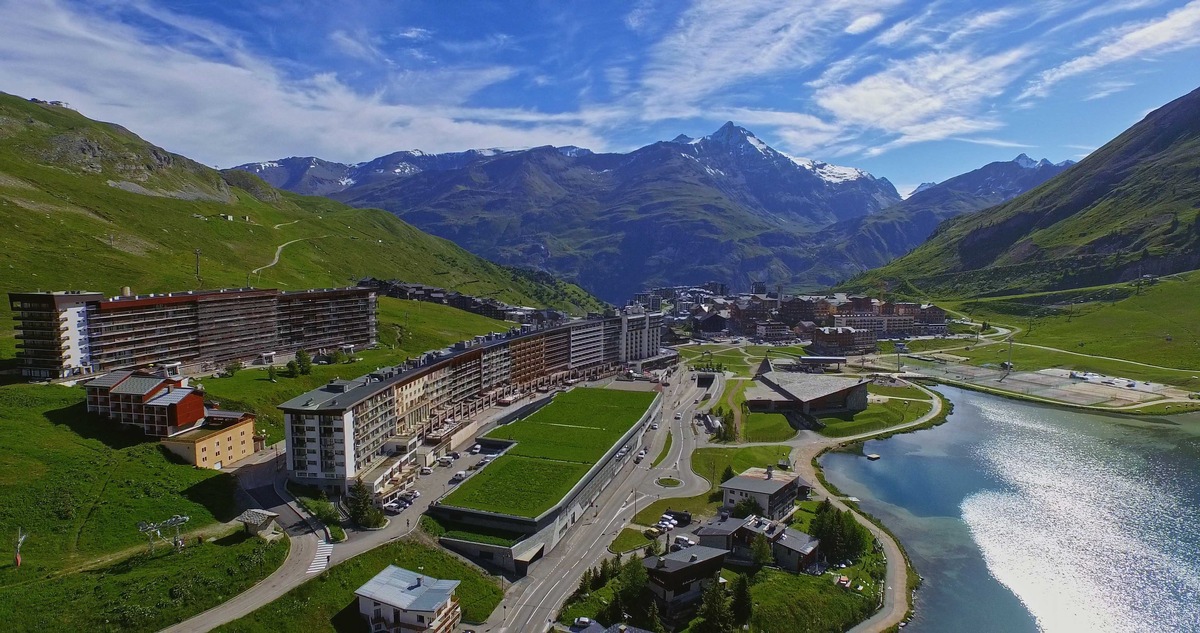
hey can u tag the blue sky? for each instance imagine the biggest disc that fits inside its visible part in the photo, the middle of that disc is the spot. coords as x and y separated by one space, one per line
912 91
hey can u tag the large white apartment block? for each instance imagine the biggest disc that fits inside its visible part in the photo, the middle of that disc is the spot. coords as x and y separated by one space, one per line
380 426
880 324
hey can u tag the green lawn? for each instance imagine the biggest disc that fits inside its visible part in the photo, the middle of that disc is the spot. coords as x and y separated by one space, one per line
806 511
145 592
897 391
629 539
556 446
463 532
79 485
327 603
517 485
406 329
662 454
579 425
710 463
924 345
668 482
800 603
766 427
1031 359
1157 326
875 417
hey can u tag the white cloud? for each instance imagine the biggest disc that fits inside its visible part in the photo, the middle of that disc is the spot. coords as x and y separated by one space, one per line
358 45
993 142
1178 30
864 23
932 96
235 107
1105 88
637 17
721 43
414 33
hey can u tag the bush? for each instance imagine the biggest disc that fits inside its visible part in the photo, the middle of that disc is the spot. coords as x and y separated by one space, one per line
233 368
337 533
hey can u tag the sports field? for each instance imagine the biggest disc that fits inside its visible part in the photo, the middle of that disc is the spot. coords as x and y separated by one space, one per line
556 446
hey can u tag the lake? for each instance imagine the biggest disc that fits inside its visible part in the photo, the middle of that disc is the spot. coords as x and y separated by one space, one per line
1029 518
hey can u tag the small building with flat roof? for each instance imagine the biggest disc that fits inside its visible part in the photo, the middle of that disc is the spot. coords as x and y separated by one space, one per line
225 438
398 600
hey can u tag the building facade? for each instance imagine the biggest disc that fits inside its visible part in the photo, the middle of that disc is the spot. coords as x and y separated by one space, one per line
71 333
839 341
385 425
774 490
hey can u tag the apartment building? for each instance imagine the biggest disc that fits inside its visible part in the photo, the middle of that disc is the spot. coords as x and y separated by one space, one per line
376 426
70 333
883 325
51 332
838 341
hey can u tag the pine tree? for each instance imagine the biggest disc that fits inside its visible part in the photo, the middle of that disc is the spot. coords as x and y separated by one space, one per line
293 368
653 620
632 581
741 604
585 583
605 571
714 614
727 474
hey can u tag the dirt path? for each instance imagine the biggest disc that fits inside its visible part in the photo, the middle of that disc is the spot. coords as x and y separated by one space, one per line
282 224
279 251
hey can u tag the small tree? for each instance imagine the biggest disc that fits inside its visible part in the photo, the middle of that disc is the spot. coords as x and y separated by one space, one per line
740 603
653 620
727 474
293 368
760 550
359 503
714 614
304 362
746 507
233 368
272 373
339 357
585 583
632 581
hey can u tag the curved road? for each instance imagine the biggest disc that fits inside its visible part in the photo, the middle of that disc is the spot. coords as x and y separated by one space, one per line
279 251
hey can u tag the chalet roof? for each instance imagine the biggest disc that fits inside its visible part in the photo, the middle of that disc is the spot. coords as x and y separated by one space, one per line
110 379
404 589
138 385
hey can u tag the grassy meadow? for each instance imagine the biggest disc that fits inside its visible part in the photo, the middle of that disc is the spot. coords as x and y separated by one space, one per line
327 603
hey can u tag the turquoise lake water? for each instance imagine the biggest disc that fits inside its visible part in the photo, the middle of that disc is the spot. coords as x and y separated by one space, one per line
1029 518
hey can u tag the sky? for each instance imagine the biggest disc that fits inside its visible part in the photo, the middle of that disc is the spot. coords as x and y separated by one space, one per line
911 91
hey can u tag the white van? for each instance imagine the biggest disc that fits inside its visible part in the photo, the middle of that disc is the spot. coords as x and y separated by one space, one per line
445 460
458 476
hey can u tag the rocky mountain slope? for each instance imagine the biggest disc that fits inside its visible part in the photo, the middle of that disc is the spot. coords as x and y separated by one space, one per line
874 240
1130 208
90 205
726 206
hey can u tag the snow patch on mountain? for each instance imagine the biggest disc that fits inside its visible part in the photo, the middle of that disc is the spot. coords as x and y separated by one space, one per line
829 173
265 166
346 181
1025 161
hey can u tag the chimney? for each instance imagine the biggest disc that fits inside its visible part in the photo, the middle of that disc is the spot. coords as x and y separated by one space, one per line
693 558
662 562
770 471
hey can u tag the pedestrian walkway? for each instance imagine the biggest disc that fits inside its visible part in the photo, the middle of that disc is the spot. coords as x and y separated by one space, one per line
321 560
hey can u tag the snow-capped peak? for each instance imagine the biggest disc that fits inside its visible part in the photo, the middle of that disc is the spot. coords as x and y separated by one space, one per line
264 166
1025 161
827 172
1065 163
683 138
922 187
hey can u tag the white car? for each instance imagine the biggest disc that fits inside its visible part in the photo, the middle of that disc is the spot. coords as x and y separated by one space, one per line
679 416
425 470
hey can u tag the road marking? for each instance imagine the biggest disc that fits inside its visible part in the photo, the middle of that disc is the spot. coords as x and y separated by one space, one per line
321 560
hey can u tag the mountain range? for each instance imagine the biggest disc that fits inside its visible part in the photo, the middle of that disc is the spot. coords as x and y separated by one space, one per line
90 205
1131 208
724 207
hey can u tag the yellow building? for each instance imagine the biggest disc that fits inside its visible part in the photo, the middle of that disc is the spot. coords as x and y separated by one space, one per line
226 438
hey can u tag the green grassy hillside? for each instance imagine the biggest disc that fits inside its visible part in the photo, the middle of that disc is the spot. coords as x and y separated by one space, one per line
1131 207
89 205
1156 324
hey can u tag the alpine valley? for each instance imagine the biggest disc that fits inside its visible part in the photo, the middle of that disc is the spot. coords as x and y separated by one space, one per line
724 207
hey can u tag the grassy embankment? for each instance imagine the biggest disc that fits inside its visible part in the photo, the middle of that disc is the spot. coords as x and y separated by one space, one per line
1154 325
547 462
327 602
406 329
710 463
662 454
79 485
629 539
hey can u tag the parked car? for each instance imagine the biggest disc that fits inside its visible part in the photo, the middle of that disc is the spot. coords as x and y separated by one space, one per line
679 416
652 532
393 507
475 449
654 426
445 460
458 476
455 455
425 470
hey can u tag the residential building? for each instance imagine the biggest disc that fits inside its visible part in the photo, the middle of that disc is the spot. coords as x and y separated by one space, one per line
775 490
883 325
773 331
72 333
648 300
838 341
397 600
51 332
383 426
677 580
758 287
225 438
